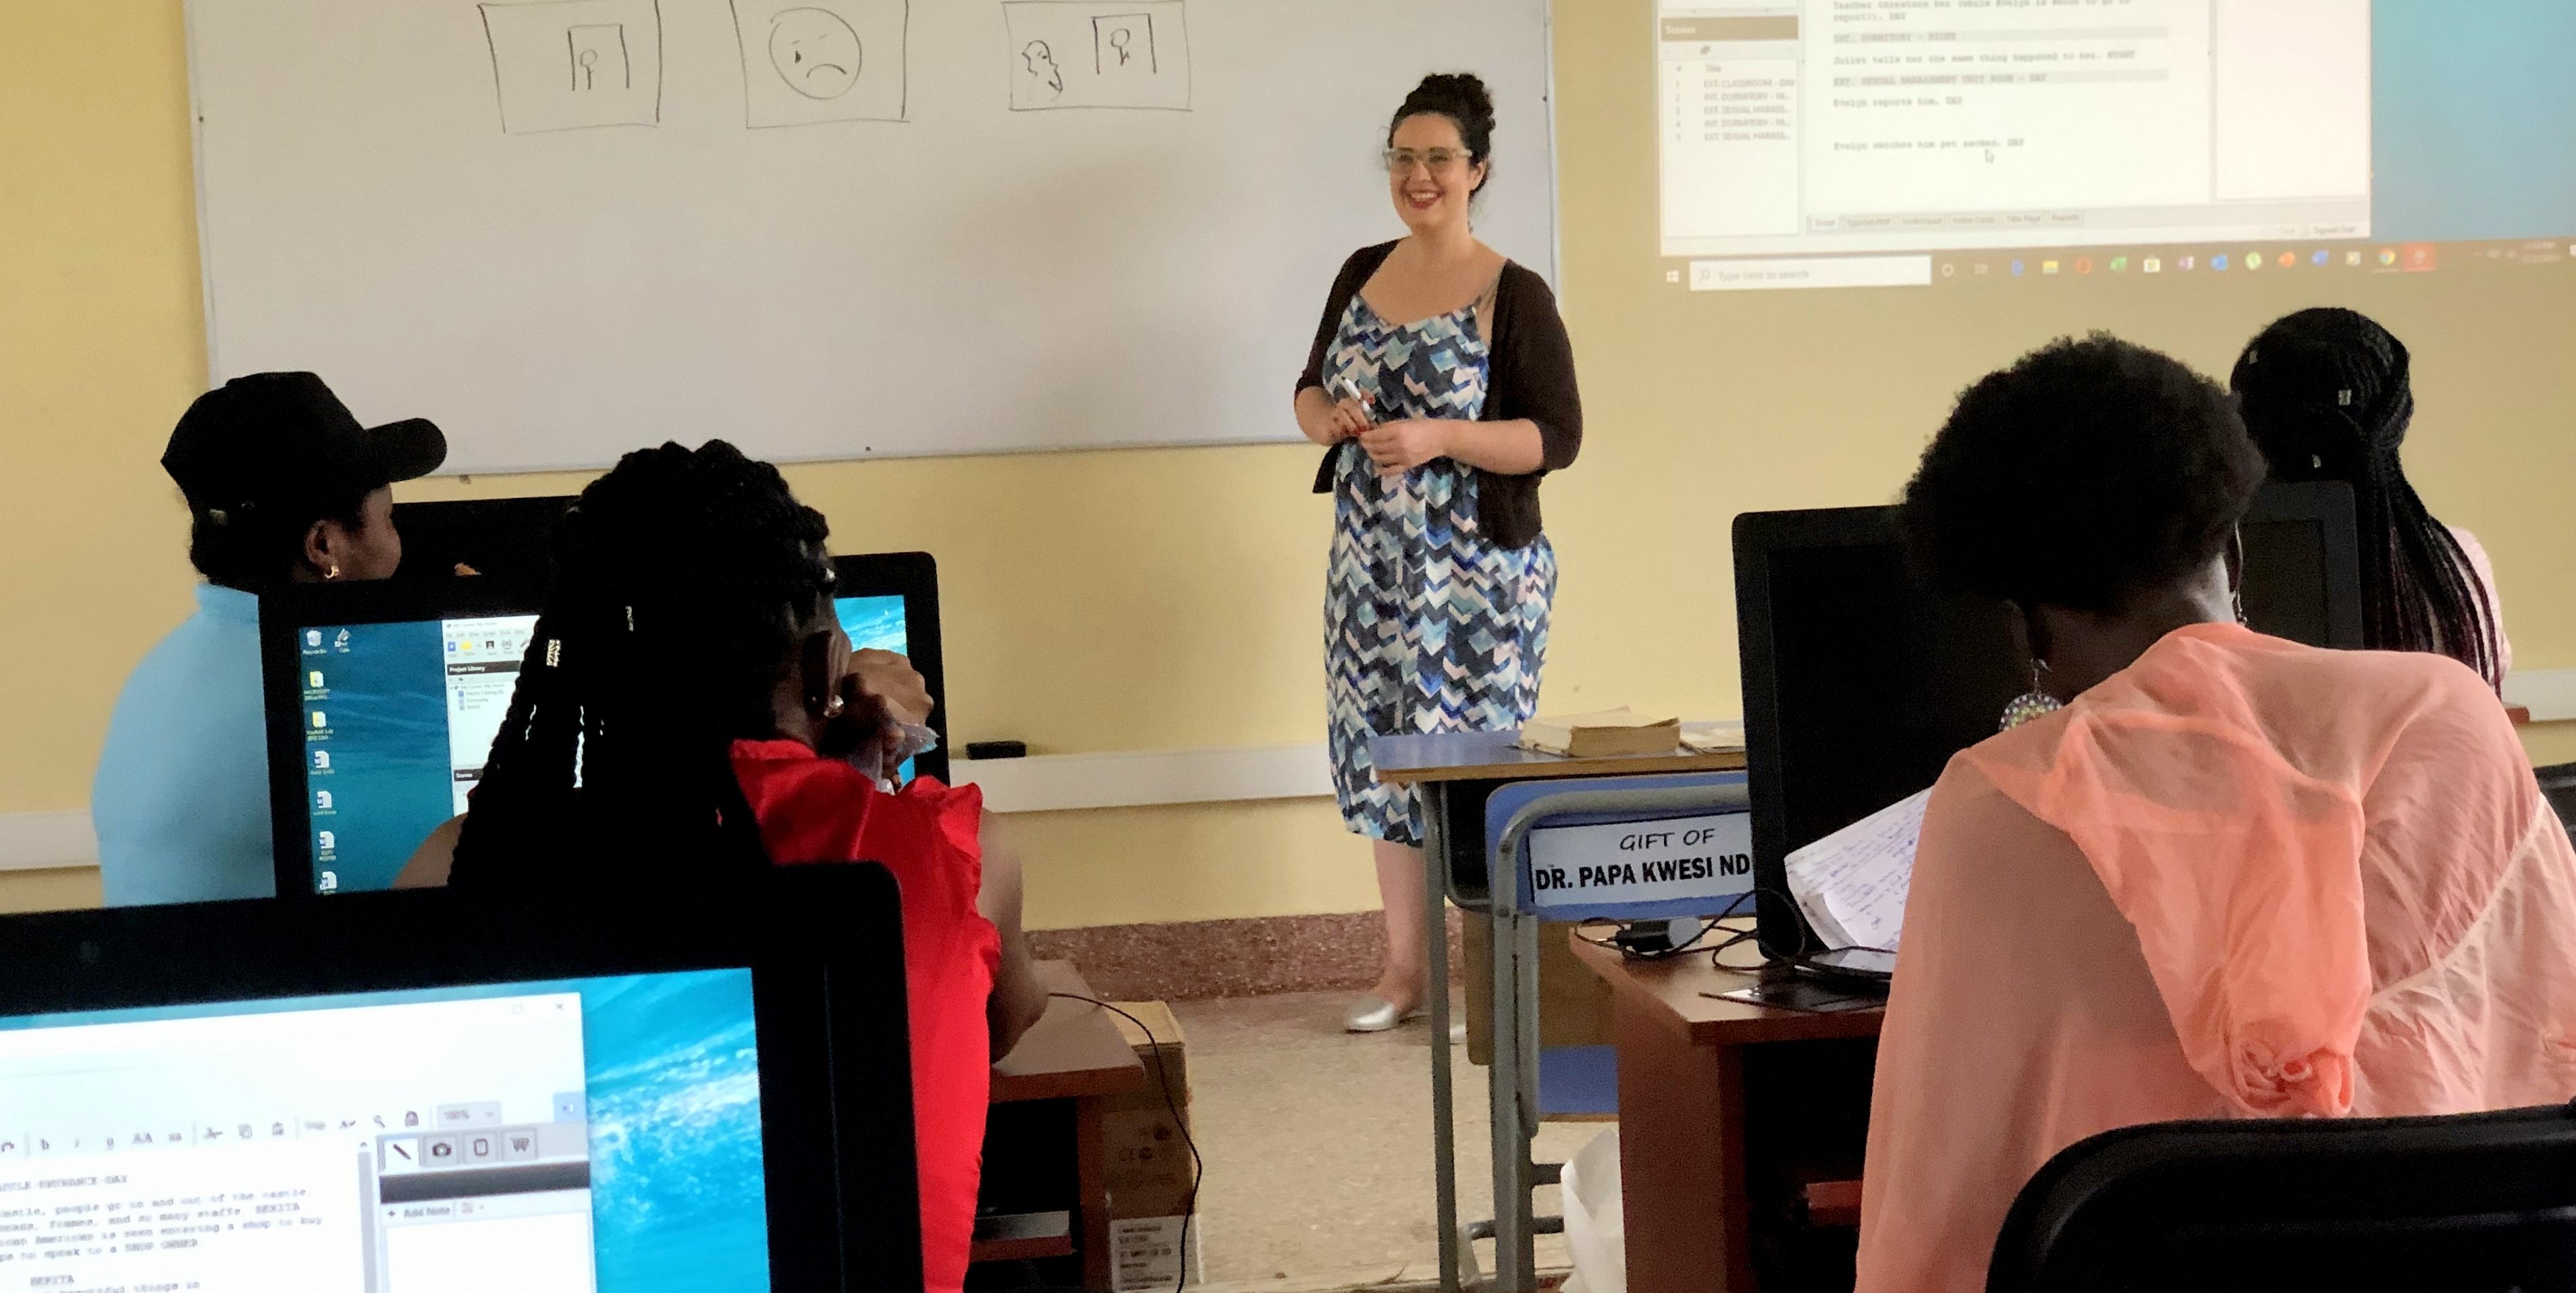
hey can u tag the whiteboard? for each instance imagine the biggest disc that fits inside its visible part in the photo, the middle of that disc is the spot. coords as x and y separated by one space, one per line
823 229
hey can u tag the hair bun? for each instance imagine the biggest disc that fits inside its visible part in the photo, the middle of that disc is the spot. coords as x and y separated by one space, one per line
1462 98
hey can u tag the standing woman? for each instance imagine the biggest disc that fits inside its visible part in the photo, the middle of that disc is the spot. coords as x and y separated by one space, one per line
1441 386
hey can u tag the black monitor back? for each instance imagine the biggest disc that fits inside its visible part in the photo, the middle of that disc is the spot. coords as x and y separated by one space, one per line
1860 682
510 538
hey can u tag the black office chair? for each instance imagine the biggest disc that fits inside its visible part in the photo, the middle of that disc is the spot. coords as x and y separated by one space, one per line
2483 1202
2558 786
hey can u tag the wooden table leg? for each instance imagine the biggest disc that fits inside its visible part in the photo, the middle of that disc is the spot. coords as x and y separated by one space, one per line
1092 1186
1681 1159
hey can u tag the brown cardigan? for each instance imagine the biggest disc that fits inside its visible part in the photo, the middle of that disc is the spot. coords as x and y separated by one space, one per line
1531 376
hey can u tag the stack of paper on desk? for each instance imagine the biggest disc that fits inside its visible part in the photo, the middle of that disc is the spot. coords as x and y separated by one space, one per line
1851 884
1595 736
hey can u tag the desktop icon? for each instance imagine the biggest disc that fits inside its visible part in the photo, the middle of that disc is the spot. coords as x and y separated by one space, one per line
341 643
2218 263
314 679
2352 258
2083 264
2047 267
2153 265
2186 264
322 800
320 720
2016 269
313 637
2387 257
2253 260
1982 267
2289 259
2420 257
1949 270
2119 264
327 882
451 646
2321 257
326 840
321 760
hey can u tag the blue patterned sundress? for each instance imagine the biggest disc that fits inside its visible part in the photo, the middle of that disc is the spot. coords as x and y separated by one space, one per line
1428 626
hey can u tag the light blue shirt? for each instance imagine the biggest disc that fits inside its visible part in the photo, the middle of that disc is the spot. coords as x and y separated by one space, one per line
181 800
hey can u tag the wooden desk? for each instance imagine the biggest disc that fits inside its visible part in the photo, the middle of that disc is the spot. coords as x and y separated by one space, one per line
1725 1110
1073 1054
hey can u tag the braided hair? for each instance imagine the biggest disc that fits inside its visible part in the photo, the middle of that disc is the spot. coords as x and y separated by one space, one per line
2326 394
685 579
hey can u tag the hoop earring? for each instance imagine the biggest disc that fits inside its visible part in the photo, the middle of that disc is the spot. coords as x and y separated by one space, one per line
333 572
2033 704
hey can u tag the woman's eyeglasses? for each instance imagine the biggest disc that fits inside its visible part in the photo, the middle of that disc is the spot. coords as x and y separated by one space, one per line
1402 160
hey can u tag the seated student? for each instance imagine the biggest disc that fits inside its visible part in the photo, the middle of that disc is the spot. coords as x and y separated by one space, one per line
283 486
2327 396
2231 877
690 678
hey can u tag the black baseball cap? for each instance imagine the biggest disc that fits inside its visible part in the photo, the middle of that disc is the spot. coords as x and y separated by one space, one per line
274 437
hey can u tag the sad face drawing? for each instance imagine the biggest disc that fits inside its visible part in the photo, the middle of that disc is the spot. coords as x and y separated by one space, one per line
815 51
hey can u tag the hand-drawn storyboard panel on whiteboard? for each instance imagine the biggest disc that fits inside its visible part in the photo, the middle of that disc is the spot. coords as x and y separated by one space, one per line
828 229
1078 54
811 61
572 64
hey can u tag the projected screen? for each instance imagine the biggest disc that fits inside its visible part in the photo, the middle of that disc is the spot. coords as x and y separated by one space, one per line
1888 143
597 1135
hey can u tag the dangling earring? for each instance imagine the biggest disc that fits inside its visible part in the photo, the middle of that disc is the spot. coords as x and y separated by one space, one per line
2035 703
2237 599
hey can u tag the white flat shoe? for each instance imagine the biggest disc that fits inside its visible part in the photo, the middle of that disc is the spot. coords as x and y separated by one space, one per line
1375 1014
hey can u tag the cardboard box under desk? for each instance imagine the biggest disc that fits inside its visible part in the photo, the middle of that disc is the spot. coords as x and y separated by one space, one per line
1152 1178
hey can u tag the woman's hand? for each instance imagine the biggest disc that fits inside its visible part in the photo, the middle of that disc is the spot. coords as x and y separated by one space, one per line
1399 447
879 691
1328 423
892 682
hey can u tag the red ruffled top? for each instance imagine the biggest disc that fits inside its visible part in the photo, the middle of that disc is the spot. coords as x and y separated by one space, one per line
814 809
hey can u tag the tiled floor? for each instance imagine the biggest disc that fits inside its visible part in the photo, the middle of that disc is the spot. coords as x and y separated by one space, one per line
1318 1147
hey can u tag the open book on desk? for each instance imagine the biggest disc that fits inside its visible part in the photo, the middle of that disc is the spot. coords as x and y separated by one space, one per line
1851 884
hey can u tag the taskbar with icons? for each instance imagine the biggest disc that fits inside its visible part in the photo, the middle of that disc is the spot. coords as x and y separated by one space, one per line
2251 259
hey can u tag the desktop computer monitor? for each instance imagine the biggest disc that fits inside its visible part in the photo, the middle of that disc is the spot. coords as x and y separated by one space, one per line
1860 683
383 700
507 538
618 1093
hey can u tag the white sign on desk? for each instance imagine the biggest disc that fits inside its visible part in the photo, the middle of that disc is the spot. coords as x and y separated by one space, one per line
1681 858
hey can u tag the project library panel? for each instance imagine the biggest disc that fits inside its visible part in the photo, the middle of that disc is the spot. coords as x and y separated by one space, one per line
1881 127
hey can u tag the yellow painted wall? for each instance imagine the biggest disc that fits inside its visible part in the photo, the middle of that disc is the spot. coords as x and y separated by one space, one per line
1168 599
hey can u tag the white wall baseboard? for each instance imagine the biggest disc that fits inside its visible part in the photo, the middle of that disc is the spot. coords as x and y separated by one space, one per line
1054 783
1046 783
2550 694
1049 783
47 841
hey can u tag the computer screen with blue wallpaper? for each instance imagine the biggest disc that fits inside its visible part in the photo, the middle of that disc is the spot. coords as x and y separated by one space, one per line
594 1135
399 717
